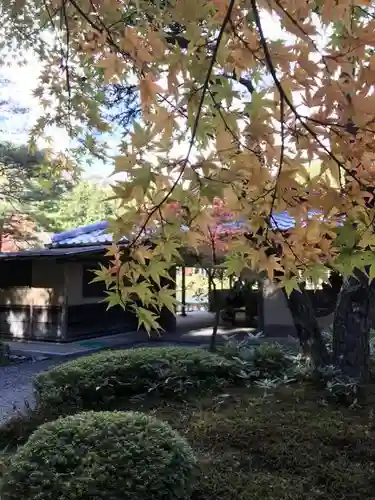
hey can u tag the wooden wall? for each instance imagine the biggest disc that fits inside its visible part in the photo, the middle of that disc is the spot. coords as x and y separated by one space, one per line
32 308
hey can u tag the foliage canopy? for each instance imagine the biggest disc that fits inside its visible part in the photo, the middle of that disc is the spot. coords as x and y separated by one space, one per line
229 112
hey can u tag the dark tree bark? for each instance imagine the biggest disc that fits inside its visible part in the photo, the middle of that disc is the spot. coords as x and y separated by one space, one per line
216 309
351 328
215 328
307 327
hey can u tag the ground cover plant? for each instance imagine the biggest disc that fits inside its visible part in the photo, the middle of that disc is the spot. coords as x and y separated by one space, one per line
288 445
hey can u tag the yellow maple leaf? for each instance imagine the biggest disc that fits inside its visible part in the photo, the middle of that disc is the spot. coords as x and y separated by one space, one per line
148 91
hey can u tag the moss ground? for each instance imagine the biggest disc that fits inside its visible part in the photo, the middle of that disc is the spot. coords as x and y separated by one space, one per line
287 446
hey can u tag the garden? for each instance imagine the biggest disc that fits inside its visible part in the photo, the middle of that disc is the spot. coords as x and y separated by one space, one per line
246 423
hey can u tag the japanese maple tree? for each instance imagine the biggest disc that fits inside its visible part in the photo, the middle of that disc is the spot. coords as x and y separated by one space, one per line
228 112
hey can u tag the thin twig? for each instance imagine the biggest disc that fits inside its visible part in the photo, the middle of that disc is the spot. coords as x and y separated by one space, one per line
281 160
66 62
196 121
272 70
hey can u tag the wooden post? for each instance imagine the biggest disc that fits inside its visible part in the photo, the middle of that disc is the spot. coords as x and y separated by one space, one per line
183 291
30 325
260 306
63 323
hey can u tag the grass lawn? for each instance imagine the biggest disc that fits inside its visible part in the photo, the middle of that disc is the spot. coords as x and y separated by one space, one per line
285 446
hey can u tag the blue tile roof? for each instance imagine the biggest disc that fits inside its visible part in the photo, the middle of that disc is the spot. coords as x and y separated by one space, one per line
282 220
96 234
93 234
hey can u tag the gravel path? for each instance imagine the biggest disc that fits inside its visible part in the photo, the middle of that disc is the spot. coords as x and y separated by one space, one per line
16 381
16 384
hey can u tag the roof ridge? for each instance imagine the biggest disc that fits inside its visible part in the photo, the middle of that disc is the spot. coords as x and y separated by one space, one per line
78 231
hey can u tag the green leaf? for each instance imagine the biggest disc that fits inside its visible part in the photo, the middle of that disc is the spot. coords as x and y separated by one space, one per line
234 265
157 270
113 299
315 273
102 275
168 249
371 272
166 298
346 236
144 292
141 136
147 319
124 163
290 285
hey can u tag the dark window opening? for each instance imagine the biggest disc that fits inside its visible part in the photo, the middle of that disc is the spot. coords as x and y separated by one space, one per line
92 290
16 274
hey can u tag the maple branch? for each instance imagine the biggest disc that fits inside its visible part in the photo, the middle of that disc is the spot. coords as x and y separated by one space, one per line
279 87
372 16
113 44
196 122
281 159
239 143
298 26
67 55
64 55
101 28
282 233
85 16
227 127
28 37
248 84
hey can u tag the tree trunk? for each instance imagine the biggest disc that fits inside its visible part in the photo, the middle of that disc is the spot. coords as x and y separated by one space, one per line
214 330
351 327
308 329
217 310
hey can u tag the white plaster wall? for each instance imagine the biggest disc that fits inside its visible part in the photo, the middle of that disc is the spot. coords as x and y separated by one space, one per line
275 307
73 276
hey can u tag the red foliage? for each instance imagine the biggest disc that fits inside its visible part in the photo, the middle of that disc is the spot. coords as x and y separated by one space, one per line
16 234
222 230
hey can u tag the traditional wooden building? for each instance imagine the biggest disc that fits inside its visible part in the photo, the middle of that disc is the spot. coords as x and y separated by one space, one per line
46 294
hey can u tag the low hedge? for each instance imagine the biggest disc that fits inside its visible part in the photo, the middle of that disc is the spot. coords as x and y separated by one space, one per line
93 382
101 455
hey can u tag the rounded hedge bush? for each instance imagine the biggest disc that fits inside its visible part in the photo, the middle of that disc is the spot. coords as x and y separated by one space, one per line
94 381
101 455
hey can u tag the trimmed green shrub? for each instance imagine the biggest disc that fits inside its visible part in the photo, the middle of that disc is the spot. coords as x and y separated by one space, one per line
101 455
95 381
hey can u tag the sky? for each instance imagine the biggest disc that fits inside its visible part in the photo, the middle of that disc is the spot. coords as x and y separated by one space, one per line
15 127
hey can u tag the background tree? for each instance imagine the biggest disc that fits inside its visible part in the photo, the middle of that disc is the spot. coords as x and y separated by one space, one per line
30 187
86 203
